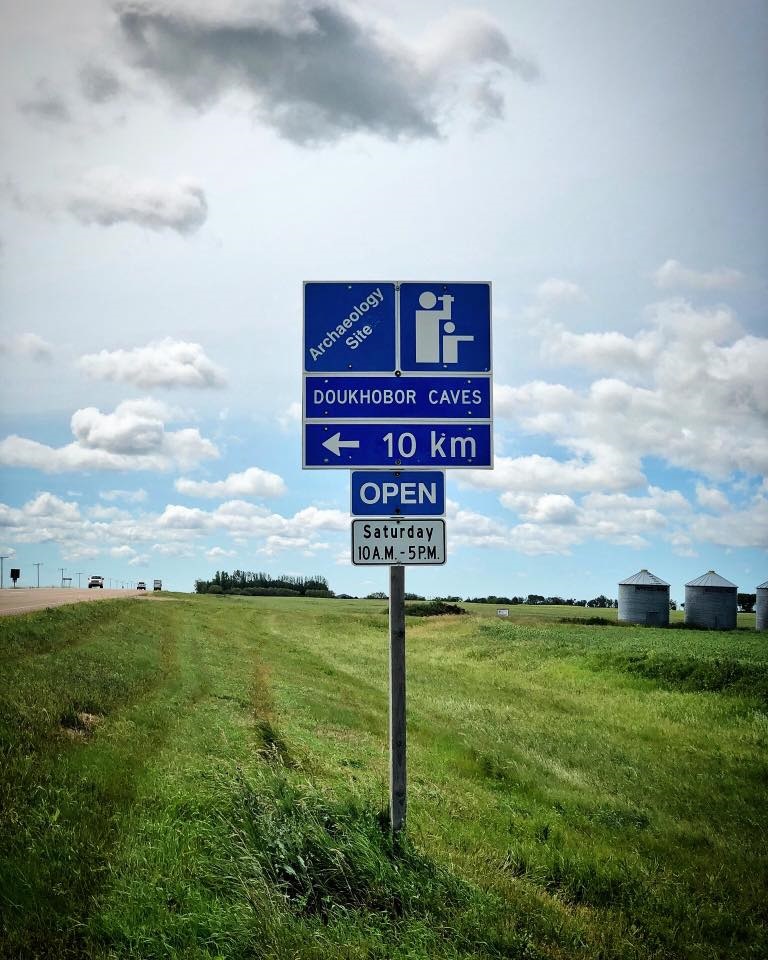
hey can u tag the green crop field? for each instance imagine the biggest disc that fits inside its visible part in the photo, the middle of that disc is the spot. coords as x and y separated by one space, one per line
205 777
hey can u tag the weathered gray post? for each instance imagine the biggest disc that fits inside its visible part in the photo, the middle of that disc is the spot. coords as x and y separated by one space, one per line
397 768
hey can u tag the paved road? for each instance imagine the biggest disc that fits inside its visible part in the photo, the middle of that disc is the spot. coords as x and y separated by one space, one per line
24 600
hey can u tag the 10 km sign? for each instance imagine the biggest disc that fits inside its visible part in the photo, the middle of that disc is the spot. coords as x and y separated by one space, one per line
455 444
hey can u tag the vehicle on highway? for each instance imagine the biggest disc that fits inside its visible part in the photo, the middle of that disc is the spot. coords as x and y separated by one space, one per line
95 581
141 585
158 585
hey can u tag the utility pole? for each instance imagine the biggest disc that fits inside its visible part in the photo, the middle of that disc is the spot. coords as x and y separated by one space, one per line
38 565
79 574
61 571
5 556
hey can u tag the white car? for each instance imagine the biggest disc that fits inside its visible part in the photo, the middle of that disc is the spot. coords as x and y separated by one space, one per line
141 585
96 582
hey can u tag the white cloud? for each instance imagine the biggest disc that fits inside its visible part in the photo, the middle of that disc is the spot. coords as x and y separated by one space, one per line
216 553
605 470
109 196
699 401
180 550
313 518
317 71
132 438
673 275
600 351
49 506
745 527
549 508
711 498
161 363
123 552
552 294
276 544
555 291
130 496
548 524
290 418
29 345
98 512
184 518
253 482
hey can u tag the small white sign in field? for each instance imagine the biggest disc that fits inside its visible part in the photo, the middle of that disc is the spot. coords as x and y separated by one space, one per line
389 542
502 612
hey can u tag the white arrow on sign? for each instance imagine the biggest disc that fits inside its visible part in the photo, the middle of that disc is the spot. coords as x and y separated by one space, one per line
335 443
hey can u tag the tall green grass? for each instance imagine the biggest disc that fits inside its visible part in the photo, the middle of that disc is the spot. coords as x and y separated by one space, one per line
207 777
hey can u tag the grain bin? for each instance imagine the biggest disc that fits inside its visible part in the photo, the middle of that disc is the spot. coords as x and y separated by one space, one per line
644 598
710 601
761 607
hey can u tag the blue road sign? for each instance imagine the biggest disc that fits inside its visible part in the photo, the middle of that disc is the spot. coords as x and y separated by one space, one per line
349 327
397 398
393 445
445 327
403 493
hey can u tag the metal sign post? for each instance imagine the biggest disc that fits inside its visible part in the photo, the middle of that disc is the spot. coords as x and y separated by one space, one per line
397 768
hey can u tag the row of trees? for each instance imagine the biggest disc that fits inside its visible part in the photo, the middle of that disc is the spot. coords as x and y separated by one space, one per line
536 599
249 584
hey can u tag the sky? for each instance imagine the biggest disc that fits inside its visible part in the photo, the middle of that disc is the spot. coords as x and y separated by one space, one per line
172 171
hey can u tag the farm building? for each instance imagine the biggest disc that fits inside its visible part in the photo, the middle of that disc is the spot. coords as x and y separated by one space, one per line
761 607
644 598
710 601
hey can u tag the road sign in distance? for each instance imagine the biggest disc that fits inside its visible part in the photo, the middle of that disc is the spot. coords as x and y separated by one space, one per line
397 398
407 493
349 326
445 326
392 445
388 542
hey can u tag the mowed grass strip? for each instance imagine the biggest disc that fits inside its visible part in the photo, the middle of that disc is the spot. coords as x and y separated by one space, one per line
207 778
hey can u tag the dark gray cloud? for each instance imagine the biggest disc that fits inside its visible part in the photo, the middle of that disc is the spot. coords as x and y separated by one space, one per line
99 84
314 70
46 105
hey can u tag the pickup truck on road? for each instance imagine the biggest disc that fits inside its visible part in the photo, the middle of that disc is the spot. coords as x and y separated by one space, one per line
95 581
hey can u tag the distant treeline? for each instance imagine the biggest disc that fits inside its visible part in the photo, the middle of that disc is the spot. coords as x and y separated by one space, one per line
247 584
536 599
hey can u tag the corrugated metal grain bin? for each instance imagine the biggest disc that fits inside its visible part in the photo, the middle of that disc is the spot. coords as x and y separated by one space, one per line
644 598
710 601
761 607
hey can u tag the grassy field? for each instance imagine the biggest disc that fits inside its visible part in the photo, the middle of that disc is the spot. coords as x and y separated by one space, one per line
205 777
